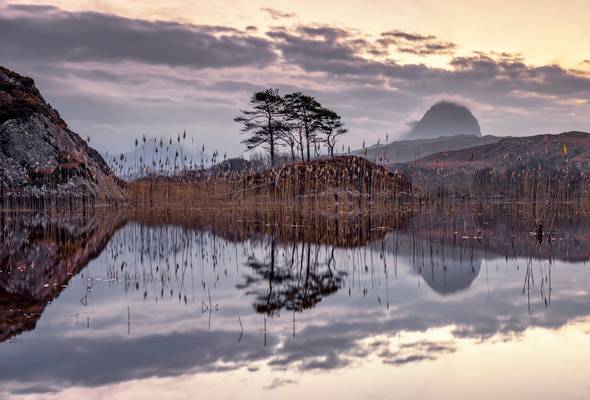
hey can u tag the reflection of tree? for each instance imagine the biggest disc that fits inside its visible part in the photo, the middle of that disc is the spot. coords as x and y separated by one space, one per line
295 282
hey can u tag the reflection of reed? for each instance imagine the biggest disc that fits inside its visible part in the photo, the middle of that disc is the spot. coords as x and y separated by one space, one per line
283 260
286 227
544 284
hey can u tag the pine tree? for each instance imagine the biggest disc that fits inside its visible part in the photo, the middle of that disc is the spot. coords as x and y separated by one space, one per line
331 126
263 122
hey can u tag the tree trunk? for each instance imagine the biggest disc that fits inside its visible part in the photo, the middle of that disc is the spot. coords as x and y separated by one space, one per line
307 144
272 141
306 136
301 145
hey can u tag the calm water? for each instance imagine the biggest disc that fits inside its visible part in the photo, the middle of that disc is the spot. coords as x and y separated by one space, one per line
434 305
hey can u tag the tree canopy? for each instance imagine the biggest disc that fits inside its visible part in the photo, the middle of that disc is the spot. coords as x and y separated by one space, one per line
296 121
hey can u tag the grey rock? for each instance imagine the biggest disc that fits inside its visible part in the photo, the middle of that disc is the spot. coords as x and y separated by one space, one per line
40 156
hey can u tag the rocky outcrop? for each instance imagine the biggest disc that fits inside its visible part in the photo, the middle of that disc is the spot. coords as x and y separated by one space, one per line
445 119
40 157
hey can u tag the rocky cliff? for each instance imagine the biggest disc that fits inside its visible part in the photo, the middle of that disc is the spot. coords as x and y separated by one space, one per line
40 157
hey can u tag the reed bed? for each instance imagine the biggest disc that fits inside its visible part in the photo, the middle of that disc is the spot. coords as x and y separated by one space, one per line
345 184
568 183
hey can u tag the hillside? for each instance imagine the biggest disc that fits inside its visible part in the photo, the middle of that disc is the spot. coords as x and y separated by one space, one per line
410 150
340 174
40 157
516 166
328 182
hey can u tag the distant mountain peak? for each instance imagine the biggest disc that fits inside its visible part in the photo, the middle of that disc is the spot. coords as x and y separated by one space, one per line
445 118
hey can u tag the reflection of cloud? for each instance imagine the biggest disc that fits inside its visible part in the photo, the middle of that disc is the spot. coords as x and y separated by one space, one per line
332 346
408 359
278 382
418 351
115 359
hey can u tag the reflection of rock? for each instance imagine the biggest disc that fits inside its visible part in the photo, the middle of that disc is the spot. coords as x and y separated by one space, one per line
38 256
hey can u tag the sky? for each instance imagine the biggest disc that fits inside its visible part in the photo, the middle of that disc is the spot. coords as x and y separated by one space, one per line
119 70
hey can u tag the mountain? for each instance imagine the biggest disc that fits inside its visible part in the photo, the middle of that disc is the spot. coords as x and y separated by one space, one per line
409 150
40 157
155 156
541 165
445 119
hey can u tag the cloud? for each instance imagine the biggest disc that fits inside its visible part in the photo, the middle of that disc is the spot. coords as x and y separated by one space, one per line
417 44
276 14
201 75
48 34
410 37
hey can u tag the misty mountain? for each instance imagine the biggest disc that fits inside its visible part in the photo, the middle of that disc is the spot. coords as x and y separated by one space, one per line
445 119
409 150
157 155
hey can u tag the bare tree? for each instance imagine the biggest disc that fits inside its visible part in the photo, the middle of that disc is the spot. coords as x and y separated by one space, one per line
263 122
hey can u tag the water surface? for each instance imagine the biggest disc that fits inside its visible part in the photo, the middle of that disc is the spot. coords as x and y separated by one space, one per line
455 304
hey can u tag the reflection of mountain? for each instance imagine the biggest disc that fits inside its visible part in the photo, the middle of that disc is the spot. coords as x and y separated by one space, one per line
446 266
447 276
38 256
